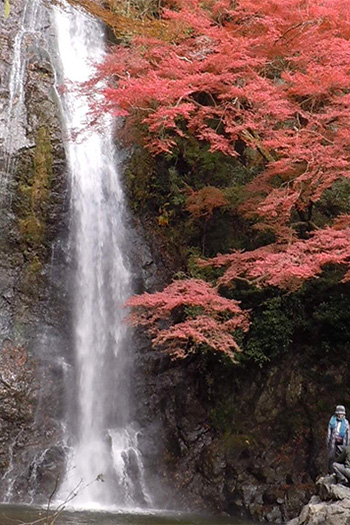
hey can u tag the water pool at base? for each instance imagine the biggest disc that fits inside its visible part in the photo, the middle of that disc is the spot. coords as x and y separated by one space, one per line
10 514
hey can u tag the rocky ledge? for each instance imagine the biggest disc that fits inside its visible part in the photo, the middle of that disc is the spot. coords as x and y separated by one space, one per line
330 505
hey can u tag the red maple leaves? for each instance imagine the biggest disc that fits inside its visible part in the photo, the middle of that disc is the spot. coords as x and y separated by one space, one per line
206 318
203 202
275 76
287 266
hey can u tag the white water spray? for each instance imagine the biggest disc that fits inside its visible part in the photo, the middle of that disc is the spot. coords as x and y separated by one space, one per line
104 439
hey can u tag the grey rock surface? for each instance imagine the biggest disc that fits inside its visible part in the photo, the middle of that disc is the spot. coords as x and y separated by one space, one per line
229 441
330 506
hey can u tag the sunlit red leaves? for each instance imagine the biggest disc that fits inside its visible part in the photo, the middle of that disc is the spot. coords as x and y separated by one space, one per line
274 75
287 266
213 324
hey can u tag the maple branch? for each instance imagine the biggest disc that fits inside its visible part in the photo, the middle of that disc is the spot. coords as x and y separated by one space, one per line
306 222
318 134
139 108
179 100
295 26
184 58
253 138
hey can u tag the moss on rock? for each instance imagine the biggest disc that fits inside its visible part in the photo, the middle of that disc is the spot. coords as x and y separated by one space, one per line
32 204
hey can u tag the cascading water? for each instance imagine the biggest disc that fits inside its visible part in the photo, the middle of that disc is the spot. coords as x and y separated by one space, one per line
15 137
103 440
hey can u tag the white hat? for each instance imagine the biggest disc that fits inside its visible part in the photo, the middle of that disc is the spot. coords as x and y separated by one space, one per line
340 409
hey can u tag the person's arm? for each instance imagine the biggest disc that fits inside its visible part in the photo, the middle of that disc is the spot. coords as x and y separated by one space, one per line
346 437
329 432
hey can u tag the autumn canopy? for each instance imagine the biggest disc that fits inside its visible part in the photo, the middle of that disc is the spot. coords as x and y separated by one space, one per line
271 77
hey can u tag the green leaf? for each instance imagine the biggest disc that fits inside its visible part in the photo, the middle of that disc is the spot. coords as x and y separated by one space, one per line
7 9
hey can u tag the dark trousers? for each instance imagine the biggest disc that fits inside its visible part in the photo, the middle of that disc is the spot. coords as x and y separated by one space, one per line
332 457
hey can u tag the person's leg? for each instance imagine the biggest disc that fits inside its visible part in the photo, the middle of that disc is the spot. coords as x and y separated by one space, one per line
338 451
342 473
346 473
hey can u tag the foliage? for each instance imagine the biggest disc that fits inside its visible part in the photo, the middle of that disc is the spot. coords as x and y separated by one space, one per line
203 202
271 332
267 86
160 189
32 204
200 317
318 313
138 9
128 18
288 266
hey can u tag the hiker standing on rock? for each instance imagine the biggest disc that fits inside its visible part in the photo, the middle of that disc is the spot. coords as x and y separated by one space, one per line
337 435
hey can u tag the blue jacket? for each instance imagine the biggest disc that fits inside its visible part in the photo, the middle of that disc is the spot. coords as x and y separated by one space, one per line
337 436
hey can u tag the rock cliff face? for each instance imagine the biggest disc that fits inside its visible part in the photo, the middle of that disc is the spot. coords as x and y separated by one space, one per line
34 320
238 441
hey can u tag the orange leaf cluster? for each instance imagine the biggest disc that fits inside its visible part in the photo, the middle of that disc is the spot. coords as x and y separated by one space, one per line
202 203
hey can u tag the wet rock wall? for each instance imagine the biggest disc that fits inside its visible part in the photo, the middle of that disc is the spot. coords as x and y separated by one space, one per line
34 265
237 441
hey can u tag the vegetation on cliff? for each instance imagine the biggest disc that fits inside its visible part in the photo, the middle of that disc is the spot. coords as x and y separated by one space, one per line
239 116
33 204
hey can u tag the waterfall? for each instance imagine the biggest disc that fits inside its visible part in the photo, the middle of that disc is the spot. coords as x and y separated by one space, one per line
15 135
103 442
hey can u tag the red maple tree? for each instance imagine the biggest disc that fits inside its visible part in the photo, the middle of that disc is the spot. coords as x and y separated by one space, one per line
204 317
274 76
